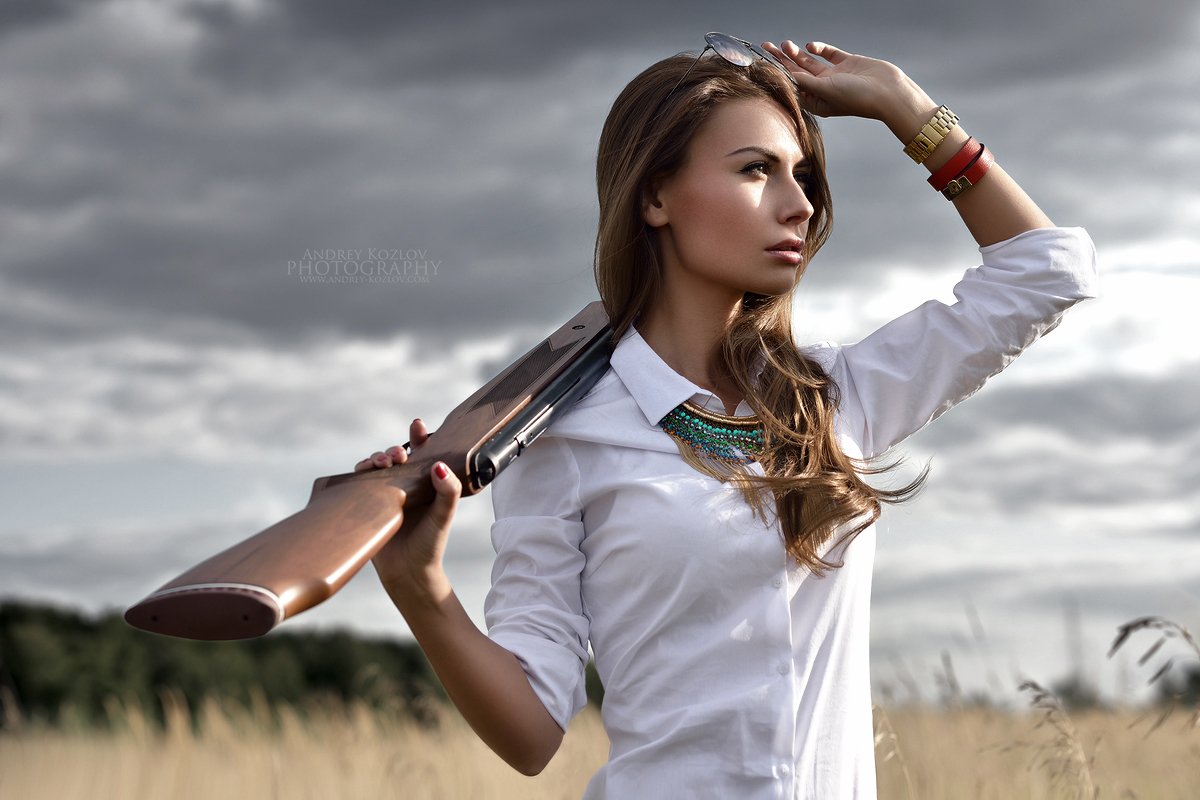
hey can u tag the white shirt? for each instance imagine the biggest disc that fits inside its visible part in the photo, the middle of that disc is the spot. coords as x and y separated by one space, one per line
730 672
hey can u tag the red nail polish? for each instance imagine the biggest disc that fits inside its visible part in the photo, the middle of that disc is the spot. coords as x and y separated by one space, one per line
440 470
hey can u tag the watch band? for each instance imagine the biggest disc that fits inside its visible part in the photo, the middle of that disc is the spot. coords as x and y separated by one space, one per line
931 134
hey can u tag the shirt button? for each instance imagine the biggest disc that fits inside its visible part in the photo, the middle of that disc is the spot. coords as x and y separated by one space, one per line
777 582
784 769
784 667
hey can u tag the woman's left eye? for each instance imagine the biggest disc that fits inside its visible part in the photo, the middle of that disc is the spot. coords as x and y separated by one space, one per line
803 178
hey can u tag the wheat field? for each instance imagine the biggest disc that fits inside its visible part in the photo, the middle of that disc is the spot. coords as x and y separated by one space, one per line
335 752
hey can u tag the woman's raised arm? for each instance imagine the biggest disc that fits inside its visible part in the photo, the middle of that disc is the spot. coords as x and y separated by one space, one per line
844 84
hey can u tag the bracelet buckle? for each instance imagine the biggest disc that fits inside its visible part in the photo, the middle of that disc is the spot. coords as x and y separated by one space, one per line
957 186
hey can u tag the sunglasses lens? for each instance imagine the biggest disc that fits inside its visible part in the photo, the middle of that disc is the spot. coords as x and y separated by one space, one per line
730 49
741 53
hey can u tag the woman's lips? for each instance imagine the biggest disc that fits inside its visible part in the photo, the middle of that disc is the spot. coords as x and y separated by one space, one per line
790 256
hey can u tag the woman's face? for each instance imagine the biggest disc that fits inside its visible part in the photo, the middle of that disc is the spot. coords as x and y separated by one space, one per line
719 216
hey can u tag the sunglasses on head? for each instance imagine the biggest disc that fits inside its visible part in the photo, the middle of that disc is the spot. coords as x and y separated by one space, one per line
734 50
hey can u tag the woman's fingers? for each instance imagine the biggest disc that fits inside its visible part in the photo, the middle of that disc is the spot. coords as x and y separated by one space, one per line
417 433
784 55
381 459
789 50
448 488
365 464
827 52
396 454
795 52
803 57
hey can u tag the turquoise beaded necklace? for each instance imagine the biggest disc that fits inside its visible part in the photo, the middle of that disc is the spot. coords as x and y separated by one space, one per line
705 437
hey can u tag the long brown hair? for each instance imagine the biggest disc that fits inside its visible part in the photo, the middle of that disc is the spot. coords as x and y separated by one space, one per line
817 488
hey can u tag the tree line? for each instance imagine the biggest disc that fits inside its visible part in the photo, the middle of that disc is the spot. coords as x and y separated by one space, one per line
53 660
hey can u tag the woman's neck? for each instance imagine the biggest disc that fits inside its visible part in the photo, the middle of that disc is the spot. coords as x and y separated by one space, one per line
689 342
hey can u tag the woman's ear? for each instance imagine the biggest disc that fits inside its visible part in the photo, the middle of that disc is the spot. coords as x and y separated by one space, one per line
653 210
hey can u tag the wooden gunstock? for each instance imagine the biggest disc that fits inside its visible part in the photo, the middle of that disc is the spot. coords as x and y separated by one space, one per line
301 561
291 566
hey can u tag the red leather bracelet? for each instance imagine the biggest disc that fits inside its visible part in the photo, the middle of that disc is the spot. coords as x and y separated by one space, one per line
971 175
956 165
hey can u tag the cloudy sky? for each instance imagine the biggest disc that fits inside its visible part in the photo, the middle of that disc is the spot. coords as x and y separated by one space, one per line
171 385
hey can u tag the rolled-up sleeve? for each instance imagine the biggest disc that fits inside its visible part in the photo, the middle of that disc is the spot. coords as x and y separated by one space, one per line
915 368
535 608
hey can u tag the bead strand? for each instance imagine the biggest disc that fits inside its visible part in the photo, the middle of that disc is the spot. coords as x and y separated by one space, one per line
734 440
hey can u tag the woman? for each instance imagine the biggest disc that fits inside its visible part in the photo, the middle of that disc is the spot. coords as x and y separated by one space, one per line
692 517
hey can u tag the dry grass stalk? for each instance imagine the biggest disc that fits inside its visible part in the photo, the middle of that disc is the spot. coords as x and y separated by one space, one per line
327 750
884 733
906 679
952 694
1068 763
320 749
1170 630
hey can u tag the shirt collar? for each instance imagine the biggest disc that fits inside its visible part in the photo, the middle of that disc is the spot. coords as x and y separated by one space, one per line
655 387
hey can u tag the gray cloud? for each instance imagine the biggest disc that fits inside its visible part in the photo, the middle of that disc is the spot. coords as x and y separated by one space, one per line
182 179
1160 409
1089 443
1026 40
19 16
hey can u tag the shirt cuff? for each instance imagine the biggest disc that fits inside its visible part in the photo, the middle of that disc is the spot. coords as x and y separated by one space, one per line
557 677
1068 253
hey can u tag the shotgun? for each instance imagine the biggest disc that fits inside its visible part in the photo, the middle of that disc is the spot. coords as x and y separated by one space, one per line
248 589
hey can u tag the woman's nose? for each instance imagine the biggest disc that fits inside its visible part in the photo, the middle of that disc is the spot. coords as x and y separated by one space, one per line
799 207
